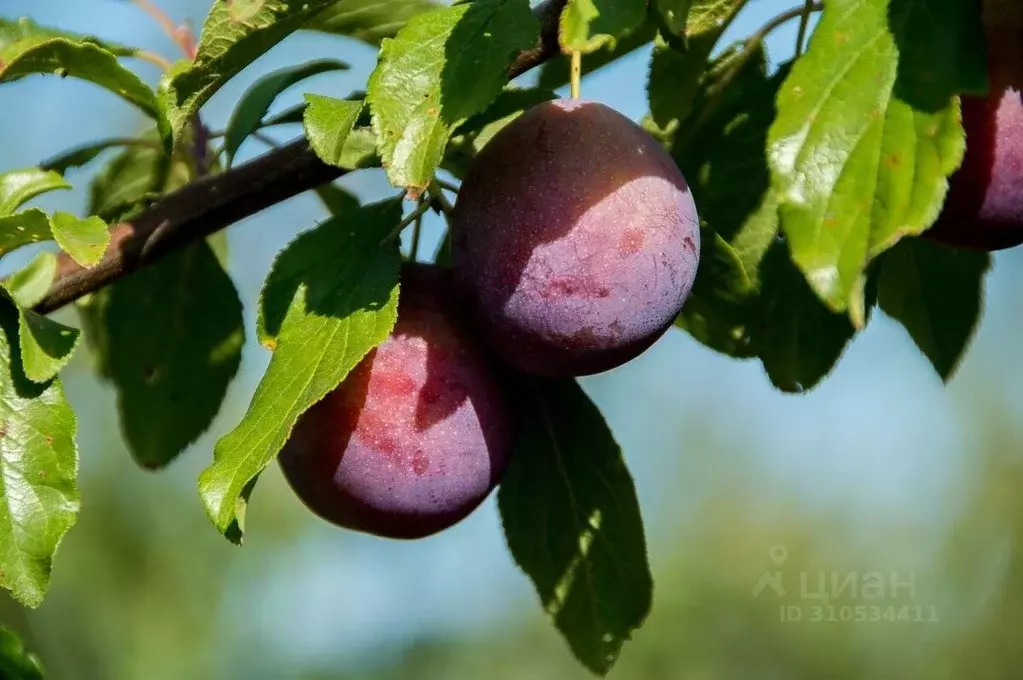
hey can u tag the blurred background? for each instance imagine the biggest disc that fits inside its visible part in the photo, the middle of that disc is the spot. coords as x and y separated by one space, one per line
756 503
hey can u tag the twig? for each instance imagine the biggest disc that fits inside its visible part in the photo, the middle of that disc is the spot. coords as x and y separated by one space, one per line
804 24
447 186
158 60
213 203
438 197
181 35
414 248
413 216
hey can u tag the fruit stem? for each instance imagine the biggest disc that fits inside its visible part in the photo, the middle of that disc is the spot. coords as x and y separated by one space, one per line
576 73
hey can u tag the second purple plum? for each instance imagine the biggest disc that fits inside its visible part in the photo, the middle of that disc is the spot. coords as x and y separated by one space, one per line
575 240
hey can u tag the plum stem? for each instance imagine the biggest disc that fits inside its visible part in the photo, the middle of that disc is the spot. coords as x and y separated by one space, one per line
804 24
576 72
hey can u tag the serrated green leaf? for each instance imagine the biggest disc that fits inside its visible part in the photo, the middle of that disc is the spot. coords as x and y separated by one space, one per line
672 17
22 229
234 34
16 662
25 52
28 285
327 123
471 136
258 99
45 345
331 297
86 153
24 32
336 199
38 471
936 293
718 308
588 25
572 521
556 72
17 187
368 20
169 338
443 67
675 76
867 133
798 339
85 240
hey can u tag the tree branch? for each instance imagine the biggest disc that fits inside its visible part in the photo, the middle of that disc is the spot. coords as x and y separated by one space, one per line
214 203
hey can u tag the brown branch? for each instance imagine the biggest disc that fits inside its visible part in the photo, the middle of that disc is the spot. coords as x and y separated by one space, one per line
214 203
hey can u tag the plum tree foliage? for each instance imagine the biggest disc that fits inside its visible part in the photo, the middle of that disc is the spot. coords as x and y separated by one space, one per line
763 207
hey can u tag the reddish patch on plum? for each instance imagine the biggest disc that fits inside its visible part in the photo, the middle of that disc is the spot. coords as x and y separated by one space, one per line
416 436
632 242
575 240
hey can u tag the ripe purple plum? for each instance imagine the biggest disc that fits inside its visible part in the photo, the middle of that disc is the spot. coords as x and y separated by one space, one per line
417 435
575 240
984 206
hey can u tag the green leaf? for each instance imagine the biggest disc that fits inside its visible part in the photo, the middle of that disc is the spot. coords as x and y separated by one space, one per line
85 240
234 34
25 52
38 469
256 102
327 123
330 298
23 32
936 293
28 285
17 187
675 76
868 132
588 25
443 67
16 662
572 521
86 153
721 302
131 180
336 199
169 338
45 345
799 340
672 16
556 72
21 229
470 137
368 20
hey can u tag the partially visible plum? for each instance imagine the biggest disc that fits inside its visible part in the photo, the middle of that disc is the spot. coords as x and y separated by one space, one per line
984 206
418 433
575 240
